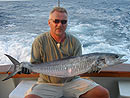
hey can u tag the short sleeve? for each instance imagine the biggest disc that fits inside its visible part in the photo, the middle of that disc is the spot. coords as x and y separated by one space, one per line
36 52
78 48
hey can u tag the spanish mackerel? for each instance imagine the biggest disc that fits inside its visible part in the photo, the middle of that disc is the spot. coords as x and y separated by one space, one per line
71 66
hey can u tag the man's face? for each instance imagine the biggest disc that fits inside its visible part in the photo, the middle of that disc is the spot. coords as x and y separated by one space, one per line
58 23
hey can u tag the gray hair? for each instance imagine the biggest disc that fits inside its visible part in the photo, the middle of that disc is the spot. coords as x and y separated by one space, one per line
59 9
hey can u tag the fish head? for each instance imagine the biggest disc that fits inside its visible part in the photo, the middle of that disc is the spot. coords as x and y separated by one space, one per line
110 59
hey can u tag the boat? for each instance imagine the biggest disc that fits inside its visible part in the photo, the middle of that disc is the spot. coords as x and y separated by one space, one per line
109 78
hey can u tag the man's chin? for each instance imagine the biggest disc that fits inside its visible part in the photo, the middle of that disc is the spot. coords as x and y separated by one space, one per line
59 33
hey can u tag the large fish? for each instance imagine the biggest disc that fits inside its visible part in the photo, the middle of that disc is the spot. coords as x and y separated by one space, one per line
72 66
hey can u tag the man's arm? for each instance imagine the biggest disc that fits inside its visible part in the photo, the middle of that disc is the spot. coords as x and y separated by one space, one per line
36 56
77 49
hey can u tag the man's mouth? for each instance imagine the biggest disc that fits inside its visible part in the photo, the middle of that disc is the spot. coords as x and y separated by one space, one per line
59 29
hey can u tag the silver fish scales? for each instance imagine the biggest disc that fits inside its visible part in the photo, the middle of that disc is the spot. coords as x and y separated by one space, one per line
71 66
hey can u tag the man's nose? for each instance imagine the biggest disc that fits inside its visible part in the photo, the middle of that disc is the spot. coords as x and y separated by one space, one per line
60 24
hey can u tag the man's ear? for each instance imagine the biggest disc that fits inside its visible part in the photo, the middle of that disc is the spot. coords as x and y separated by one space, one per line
49 22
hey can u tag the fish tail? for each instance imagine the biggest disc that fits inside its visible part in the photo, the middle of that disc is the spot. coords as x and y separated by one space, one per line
16 64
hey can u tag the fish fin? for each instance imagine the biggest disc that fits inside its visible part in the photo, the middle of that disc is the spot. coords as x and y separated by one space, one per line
9 68
16 66
12 74
13 60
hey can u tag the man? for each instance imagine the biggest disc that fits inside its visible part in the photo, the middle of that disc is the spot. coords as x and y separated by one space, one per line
57 44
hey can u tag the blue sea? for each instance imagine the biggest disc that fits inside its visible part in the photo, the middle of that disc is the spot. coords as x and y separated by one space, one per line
100 25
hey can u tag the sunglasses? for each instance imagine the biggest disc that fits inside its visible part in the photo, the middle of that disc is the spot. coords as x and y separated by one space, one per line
56 21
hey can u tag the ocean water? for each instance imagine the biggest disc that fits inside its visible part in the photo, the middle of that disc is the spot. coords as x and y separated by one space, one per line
100 25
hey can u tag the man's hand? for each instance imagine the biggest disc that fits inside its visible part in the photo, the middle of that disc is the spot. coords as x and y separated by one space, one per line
94 69
24 71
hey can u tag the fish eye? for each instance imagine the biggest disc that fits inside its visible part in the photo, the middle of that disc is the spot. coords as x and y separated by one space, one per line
116 56
102 59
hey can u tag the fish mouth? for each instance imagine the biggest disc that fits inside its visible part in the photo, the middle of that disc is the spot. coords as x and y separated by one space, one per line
120 58
123 60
